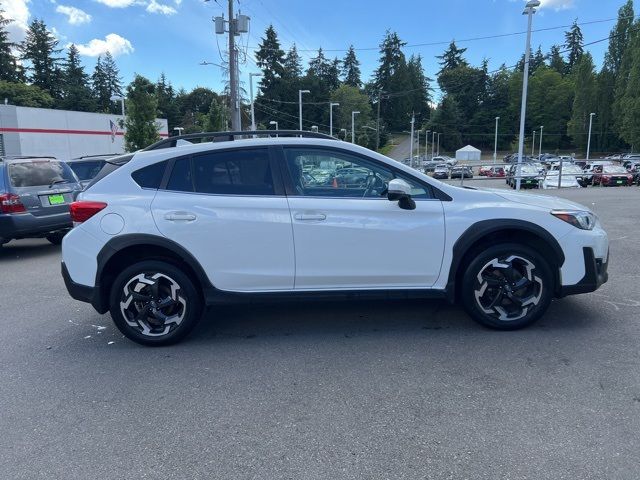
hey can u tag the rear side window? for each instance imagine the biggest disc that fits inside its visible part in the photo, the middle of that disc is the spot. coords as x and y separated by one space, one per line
233 172
151 176
39 173
180 179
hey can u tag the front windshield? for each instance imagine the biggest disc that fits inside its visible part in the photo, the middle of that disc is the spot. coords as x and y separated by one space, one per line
614 169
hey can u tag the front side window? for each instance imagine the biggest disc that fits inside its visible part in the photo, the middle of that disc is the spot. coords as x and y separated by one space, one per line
330 173
233 172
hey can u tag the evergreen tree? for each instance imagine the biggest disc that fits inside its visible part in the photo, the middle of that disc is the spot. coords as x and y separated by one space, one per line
556 62
38 50
215 121
584 102
141 128
319 66
333 74
25 95
623 78
292 64
113 80
351 69
9 70
451 58
537 60
573 43
419 88
76 94
167 105
630 101
100 87
270 58
619 38
392 77
446 120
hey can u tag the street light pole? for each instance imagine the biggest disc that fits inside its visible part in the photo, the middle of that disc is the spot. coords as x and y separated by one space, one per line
418 144
353 126
533 144
300 92
179 129
273 122
495 142
540 149
426 144
380 92
433 143
120 98
529 10
438 143
331 105
591 115
253 114
413 121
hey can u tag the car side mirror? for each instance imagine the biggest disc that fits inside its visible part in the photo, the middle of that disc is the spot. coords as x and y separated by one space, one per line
400 191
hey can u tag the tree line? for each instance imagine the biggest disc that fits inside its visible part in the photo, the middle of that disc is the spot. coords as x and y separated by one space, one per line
462 103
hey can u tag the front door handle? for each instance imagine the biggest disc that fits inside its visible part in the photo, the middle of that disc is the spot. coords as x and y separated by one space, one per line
310 217
180 216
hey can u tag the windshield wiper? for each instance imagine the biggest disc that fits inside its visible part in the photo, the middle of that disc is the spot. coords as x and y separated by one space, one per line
57 181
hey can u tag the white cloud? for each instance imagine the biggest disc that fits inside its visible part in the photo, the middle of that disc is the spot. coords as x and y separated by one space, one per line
557 4
76 16
113 43
18 11
155 7
117 3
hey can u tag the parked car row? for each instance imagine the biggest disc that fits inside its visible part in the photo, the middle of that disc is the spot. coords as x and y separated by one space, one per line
35 193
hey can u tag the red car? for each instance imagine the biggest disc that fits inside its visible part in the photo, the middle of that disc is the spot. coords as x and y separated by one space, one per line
484 171
613 176
496 172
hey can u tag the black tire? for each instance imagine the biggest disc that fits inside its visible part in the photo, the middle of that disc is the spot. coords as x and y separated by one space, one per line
496 302
139 313
55 238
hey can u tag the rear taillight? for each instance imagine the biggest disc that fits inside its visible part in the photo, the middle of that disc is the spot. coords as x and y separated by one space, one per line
10 203
82 211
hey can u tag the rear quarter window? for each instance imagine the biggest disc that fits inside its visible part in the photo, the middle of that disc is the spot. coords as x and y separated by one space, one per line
151 176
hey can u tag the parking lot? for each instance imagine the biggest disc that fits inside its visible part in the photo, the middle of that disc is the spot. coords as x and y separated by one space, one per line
359 389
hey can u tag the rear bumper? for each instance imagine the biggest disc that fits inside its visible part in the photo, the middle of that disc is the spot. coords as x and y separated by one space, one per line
595 275
26 225
83 293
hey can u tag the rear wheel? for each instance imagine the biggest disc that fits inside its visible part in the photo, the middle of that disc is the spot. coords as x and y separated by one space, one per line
155 303
507 286
56 238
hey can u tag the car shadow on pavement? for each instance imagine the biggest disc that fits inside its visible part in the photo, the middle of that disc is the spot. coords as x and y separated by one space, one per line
25 249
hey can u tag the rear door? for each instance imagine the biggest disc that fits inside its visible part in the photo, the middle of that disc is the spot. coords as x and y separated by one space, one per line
45 187
228 209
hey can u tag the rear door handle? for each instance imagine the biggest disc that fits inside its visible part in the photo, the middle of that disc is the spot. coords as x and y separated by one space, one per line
310 217
180 216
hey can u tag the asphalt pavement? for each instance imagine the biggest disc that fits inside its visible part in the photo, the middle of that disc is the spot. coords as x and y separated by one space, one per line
345 390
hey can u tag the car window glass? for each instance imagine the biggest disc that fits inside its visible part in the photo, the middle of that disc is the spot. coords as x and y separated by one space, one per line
180 179
40 173
330 173
86 170
151 176
234 172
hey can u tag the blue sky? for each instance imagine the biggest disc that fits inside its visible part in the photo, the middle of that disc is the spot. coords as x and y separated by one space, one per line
174 36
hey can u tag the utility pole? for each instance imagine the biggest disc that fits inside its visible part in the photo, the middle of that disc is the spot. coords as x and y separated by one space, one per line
236 25
253 114
331 105
353 126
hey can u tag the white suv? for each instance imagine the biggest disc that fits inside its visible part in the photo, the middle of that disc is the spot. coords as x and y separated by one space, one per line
175 229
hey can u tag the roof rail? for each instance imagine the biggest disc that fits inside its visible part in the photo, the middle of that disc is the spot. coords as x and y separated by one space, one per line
97 155
230 136
24 157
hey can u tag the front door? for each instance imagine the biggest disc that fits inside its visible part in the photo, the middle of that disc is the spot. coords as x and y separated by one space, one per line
347 234
224 208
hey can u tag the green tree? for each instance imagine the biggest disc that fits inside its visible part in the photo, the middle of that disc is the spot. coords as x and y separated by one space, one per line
446 121
216 117
167 104
619 38
25 95
351 69
556 62
9 70
141 129
100 87
623 78
630 101
112 78
292 64
270 59
419 91
39 51
584 101
76 93
452 58
573 41
351 99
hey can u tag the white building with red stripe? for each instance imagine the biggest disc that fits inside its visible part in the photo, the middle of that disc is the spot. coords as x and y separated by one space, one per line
62 134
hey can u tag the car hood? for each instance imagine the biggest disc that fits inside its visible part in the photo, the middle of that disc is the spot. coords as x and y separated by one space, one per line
542 201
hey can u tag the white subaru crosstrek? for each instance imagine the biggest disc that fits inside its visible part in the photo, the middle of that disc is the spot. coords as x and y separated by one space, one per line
175 229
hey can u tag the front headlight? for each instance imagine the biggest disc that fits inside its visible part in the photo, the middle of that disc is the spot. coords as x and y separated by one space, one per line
578 218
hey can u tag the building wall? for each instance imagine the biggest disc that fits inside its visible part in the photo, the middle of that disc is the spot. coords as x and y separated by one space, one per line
61 133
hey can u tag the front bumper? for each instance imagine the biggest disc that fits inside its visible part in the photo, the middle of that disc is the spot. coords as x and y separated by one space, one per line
595 274
83 293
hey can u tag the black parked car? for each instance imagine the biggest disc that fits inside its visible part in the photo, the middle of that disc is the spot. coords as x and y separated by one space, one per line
86 168
35 193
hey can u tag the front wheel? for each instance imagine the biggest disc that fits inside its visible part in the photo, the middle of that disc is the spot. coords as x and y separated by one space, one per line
155 303
507 286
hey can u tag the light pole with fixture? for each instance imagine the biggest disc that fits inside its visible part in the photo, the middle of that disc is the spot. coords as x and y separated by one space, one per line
433 143
426 143
438 143
331 105
118 98
300 92
530 9
418 144
540 149
591 115
533 144
495 142
253 114
273 122
179 129
353 126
